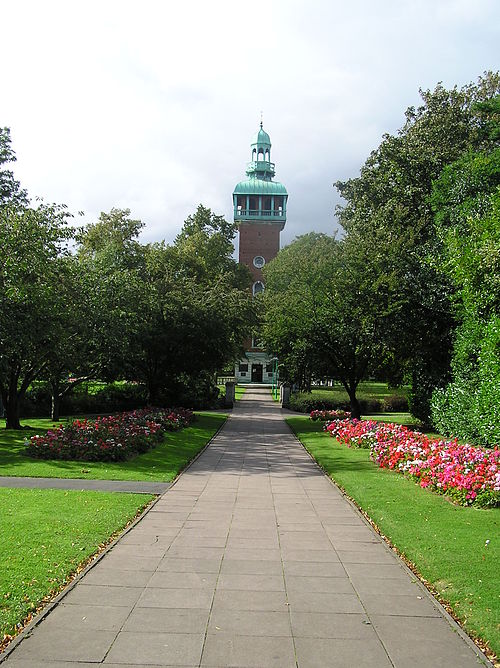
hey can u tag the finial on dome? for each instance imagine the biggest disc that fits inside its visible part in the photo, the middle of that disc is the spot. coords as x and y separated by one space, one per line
261 113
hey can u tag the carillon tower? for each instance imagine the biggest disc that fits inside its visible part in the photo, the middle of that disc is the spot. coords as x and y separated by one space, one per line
260 213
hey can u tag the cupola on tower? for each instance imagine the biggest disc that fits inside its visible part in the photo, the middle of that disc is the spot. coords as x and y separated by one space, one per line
260 213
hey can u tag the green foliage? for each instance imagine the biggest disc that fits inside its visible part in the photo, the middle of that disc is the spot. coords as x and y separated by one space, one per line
85 398
32 305
47 534
388 212
466 200
321 315
193 312
372 396
10 190
469 406
447 543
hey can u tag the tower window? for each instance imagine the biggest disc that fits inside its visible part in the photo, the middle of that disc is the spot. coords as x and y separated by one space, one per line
259 261
258 287
278 202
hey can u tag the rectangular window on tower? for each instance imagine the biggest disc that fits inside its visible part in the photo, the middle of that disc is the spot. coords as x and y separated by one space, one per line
278 203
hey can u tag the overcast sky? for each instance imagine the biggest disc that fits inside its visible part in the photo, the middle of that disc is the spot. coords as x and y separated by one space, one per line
152 105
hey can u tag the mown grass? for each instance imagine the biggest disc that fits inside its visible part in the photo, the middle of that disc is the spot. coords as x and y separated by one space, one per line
366 390
446 543
162 464
45 536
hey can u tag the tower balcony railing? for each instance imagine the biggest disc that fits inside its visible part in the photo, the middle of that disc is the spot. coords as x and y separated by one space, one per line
260 166
259 213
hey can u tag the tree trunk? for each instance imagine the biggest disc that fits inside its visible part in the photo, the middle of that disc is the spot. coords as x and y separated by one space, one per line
55 406
355 407
12 413
55 402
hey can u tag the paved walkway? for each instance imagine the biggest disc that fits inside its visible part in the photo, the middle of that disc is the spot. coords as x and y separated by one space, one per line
252 559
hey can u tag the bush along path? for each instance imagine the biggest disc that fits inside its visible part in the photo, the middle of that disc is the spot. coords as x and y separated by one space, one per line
470 475
113 438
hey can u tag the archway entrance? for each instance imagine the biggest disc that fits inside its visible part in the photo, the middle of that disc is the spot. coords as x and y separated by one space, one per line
256 373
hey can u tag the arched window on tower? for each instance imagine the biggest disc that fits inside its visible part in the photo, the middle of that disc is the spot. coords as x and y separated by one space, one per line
258 287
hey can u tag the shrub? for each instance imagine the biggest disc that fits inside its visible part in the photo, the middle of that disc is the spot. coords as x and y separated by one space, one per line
305 403
396 403
469 406
112 438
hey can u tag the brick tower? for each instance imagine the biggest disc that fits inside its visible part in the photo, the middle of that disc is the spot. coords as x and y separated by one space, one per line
260 213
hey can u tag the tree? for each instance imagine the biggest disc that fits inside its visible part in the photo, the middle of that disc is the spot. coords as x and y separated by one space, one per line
10 189
34 244
321 315
198 308
466 201
388 208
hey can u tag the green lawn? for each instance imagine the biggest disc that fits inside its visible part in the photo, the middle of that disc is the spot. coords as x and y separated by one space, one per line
161 464
366 390
447 543
46 535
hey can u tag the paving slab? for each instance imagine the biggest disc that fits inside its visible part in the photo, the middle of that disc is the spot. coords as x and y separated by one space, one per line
252 559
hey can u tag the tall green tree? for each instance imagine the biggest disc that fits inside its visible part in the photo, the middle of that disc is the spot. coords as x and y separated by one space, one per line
388 209
196 309
321 315
466 200
32 252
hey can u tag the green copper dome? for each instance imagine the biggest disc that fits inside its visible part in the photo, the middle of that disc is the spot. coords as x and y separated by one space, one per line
255 186
259 199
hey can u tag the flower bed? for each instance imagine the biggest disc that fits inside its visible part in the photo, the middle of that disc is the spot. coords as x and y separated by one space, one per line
468 474
325 415
112 438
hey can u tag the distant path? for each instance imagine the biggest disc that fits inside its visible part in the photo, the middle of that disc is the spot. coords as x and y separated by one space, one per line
252 559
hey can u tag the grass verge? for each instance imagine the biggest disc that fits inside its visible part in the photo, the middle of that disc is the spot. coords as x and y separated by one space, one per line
366 390
445 543
46 536
162 464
